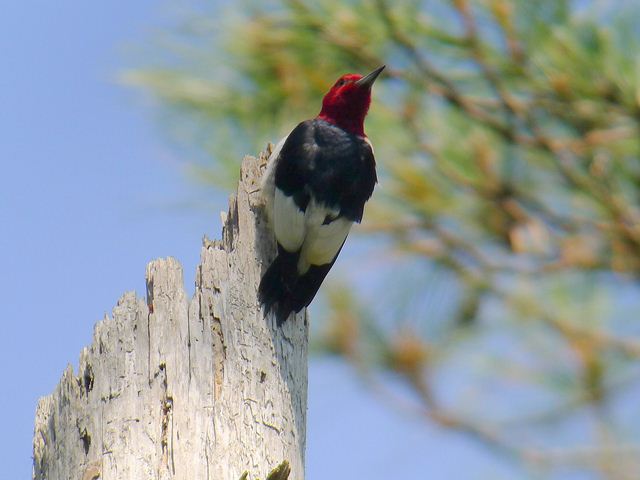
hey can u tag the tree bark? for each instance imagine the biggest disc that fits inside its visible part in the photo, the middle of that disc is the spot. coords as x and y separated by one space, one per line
195 389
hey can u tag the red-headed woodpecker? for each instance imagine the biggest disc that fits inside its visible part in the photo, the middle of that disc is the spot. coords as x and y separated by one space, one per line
317 181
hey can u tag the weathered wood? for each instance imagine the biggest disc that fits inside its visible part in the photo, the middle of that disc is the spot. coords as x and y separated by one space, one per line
188 389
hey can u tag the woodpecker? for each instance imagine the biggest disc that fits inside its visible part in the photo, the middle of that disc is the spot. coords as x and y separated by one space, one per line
317 180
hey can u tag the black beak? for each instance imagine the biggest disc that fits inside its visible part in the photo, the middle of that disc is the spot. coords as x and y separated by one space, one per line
368 80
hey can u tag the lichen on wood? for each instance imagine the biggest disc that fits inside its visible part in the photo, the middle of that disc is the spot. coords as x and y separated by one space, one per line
281 472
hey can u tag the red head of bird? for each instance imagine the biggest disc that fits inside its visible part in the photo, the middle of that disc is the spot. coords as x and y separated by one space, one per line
347 102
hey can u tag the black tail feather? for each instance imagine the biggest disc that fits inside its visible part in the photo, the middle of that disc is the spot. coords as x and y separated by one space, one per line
283 291
307 286
277 284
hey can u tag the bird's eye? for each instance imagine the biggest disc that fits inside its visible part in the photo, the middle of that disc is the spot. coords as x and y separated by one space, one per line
341 82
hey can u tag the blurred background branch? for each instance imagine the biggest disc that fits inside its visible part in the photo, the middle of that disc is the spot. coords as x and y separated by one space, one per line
508 211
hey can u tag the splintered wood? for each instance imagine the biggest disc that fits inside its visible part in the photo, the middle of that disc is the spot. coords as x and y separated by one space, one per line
199 389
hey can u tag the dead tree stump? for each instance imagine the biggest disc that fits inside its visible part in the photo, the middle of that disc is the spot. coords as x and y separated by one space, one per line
199 389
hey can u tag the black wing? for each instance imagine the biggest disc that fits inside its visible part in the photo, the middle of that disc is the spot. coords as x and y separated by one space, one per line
335 167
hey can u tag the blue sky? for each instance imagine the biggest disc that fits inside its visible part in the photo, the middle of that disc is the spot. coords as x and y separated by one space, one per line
90 192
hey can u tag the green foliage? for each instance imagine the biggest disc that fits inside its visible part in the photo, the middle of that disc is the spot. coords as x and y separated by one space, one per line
281 472
507 134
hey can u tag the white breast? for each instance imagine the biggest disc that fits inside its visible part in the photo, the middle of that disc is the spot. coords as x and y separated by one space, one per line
322 242
268 182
